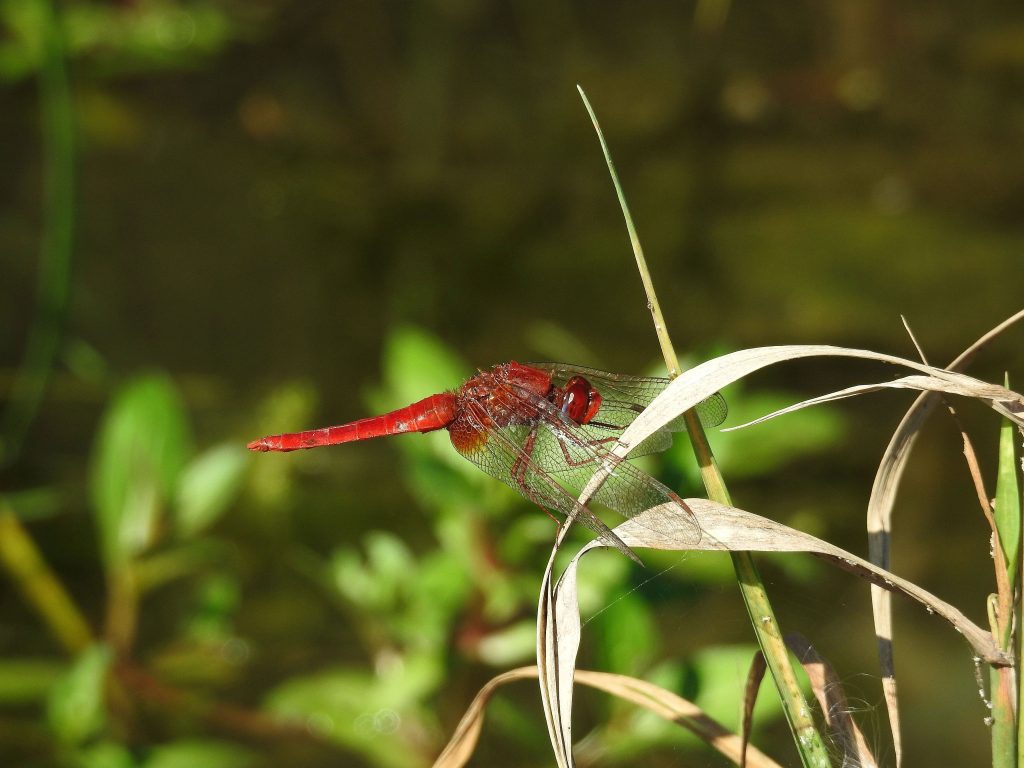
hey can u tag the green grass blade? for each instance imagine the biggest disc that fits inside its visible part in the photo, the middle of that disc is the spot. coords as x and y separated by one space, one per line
1008 510
808 741
1006 727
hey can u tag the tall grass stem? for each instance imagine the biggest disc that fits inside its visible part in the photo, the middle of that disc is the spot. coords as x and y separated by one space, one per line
808 741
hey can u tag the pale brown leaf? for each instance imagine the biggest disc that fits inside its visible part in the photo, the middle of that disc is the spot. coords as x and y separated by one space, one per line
879 521
727 529
463 742
661 702
758 667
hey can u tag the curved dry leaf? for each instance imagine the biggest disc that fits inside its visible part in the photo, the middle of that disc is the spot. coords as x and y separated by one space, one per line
729 529
462 744
758 667
661 702
704 380
982 391
725 529
707 378
879 521
558 641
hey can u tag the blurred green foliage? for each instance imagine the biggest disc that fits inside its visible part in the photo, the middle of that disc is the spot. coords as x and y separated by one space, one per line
422 619
77 710
116 37
142 448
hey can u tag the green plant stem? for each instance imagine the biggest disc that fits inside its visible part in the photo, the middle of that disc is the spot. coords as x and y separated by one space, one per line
44 592
1017 668
122 607
1004 682
54 284
769 636
41 588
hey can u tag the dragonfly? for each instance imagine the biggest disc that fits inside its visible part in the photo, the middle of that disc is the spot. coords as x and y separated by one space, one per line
543 429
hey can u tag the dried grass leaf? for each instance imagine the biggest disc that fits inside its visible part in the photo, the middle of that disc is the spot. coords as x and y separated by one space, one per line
728 528
758 667
661 702
463 742
981 391
879 521
724 528
701 382
558 642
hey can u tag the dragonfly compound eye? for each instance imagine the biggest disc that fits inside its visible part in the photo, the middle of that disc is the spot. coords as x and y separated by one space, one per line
580 401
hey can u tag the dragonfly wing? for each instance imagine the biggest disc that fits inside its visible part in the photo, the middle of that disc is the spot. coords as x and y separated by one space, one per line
635 390
566 452
612 419
639 390
712 410
500 453
552 450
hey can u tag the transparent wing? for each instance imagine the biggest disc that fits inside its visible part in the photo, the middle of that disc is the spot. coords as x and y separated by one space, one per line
627 392
614 417
499 452
549 461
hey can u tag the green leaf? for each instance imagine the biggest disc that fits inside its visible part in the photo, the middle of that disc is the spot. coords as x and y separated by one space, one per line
144 441
144 36
24 681
510 646
418 364
107 754
1008 509
200 753
21 49
365 712
207 487
376 582
76 708
765 448
721 675
627 635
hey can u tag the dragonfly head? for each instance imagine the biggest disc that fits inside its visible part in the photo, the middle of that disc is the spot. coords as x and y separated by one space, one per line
579 400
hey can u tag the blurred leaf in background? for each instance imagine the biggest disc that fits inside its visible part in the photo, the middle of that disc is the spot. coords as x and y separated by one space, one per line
210 482
77 709
121 37
28 681
143 446
201 754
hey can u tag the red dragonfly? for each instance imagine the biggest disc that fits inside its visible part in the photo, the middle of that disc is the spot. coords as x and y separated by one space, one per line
543 429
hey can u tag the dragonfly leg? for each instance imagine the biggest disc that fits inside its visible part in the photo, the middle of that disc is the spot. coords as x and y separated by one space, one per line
587 460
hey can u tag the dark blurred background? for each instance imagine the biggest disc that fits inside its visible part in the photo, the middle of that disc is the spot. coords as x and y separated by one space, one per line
288 214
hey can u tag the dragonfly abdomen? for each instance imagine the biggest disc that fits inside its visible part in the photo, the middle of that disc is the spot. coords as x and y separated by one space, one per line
430 413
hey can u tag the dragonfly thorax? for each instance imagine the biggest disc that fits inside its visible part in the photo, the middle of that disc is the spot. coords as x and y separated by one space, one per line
502 396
